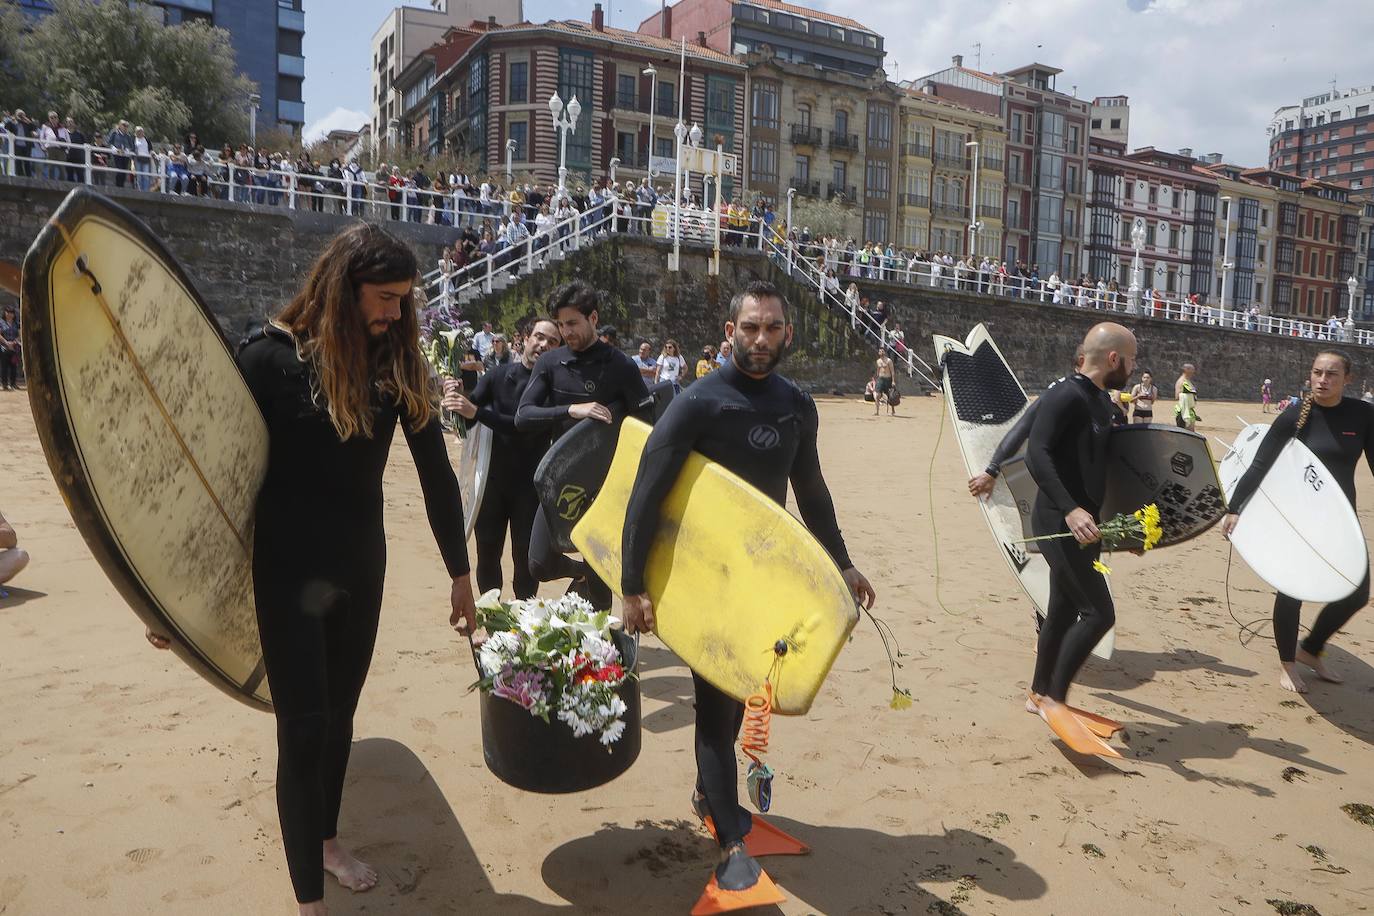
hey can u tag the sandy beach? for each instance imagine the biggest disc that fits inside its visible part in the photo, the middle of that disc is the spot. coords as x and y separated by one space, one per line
128 785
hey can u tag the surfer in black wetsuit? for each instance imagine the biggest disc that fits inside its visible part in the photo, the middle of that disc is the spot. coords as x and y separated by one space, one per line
1066 455
759 425
334 374
1338 430
508 499
583 378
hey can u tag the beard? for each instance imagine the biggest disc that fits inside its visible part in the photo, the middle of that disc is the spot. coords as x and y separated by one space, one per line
754 363
1117 377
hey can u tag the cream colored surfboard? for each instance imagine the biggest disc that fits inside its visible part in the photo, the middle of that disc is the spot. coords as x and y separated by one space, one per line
152 435
731 574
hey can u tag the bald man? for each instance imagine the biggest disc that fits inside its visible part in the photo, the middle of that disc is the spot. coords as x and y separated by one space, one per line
1066 455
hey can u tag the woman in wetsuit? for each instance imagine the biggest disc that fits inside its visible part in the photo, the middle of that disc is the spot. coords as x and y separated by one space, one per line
1338 430
334 374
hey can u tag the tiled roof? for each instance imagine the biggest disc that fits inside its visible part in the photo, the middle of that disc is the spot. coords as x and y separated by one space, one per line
622 36
809 13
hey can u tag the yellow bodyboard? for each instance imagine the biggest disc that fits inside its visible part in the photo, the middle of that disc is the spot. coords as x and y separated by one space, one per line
730 573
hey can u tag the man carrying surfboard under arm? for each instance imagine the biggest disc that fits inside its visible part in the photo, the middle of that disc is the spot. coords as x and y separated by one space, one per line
762 427
1066 454
1338 430
580 379
509 498
334 373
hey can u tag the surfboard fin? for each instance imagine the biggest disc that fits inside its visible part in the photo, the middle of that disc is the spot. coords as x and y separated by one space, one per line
1074 732
716 899
763 839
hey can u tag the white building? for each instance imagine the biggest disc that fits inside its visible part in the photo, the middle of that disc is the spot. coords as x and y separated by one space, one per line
408 30
1111 118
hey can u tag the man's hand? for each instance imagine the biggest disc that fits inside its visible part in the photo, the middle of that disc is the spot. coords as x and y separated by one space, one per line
464 616
859 587
460 405
1228 524
981 484
1080 522
639 614
590 409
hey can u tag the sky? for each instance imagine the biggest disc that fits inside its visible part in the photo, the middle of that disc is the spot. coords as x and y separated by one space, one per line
1203 74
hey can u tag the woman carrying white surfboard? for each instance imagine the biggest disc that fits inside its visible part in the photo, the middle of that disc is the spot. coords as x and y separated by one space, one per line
1338 430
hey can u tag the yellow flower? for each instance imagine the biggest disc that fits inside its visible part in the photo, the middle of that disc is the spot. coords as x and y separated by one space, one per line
900 699
1101 567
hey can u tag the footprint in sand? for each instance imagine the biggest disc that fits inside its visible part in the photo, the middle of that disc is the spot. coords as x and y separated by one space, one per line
423 725
143 855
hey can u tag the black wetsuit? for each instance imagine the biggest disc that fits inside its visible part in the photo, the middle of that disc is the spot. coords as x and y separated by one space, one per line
1016 436
765 431
560 379
1338 436
508 498
319 558
1066 455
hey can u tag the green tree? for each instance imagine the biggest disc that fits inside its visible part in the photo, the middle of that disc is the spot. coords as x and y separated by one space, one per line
100 62
825 217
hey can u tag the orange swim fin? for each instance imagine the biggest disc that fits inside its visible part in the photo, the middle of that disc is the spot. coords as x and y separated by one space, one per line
1074 733
763 839
716 899
1098 725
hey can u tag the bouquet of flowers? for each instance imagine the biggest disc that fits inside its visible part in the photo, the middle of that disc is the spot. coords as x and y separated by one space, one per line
1137 530
554 658
445 339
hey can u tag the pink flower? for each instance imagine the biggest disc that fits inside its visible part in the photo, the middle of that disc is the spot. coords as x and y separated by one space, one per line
525 688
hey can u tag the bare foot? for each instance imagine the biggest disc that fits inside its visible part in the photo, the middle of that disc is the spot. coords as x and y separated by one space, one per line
353 874
315 908
1316 664
1032 703
1290 679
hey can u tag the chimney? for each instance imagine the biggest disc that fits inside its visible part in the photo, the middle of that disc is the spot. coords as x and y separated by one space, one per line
491 22
598 18
928 87
667 20
701 39
958 60
1186 151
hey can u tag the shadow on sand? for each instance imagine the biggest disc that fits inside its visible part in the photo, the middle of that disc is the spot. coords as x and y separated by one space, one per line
411 835
661 867
13 597
1346 706
1129 669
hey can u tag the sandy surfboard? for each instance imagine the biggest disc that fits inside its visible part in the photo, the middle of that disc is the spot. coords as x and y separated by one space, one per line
731 573
985 400
151 433
1298 532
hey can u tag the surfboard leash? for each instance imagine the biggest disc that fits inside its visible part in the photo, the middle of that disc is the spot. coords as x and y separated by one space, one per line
1248 632
930 497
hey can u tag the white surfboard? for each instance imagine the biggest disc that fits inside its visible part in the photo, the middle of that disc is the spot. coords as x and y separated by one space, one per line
474 465
1299 533
985 400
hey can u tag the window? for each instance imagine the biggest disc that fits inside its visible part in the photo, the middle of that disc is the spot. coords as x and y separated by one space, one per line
875 226
1330 264
575 79
877 178
1259 291
1051 172
1016 127
625 147
1071 183
803 115
519 131
880 125
1154 195
1097 123
289 42
625 91
1070 217
1263 252
720 108
839 176
1264 217
841 122
801 169
1051 130
1049 218
1015 173
1073 139
1014 213
519 82
1173 237
763 161
666 103
663 147
765 105
1116 123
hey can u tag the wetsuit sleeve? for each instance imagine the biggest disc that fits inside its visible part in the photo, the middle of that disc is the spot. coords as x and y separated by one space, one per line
443 500
1284 428
673 437
1369 434
261 377
634 388
813 496
533 412
485 400
1013 440
1049 424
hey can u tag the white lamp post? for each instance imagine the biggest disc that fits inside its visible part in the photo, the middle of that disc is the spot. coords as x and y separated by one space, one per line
254 100
564 124
680 132
1350 284
1137 242
652 74
615 161
973 203
510 153
694 138
1226 264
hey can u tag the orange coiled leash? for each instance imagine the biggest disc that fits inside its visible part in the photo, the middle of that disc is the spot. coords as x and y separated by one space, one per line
758 717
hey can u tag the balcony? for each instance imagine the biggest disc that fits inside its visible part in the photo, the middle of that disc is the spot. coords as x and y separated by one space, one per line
848 192
945 160
626 101
914 200
946 209
291 111
806 135
290 65
990 211
844 142
805 187
995 165
666 108
1017 176
291 20
919 150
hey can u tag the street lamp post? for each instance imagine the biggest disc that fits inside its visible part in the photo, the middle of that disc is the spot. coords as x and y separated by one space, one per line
615 161
652 74
1350 284
787 240
564 124
1137 242
254 100
510 154
1226 264
973 203
680 132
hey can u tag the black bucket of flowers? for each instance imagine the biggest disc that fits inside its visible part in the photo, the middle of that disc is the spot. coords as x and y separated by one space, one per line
559 694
